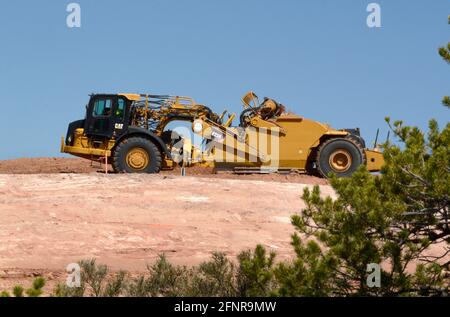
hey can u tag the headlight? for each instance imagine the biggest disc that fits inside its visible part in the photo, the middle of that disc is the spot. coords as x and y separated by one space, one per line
197 126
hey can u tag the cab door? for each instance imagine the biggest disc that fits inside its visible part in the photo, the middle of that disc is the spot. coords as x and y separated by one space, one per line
120 118
98 116
107 116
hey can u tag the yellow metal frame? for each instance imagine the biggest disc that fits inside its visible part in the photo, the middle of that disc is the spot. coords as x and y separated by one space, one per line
83 147
132 97
375 160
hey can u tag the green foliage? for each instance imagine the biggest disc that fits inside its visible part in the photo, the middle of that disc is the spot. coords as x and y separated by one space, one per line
114 287
38 283
5 294
18 291
255 275
419 177
94 276
214 278
62 290
446 101
95 280
429 280
445 51
164 279
211 278
36 289
445 54
309 274
217 277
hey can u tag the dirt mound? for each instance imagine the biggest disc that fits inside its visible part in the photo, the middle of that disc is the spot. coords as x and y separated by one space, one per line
56 165
46 165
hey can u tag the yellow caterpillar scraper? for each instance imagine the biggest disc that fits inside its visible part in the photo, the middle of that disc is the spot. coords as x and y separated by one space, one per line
130 131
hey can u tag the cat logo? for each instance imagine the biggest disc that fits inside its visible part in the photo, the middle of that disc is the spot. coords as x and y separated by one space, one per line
118 126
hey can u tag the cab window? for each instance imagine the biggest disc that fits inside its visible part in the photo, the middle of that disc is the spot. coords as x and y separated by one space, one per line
120 112
102 108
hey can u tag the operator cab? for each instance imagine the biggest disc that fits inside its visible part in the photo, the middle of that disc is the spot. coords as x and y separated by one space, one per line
107 116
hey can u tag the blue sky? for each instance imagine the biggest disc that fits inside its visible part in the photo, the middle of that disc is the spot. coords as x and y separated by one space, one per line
317 57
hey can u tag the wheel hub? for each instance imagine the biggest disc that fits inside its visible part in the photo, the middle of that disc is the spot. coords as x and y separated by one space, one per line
137 159
340 160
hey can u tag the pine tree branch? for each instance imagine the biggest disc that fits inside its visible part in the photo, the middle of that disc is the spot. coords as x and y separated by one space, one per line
423 181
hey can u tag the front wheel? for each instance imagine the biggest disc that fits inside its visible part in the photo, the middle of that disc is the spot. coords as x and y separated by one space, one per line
339 156
137 155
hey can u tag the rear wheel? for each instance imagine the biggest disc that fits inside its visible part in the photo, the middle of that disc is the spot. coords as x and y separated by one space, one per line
339 156
137 155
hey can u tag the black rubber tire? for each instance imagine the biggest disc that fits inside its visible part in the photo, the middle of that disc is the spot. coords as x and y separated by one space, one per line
358 140
332 145
119 156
